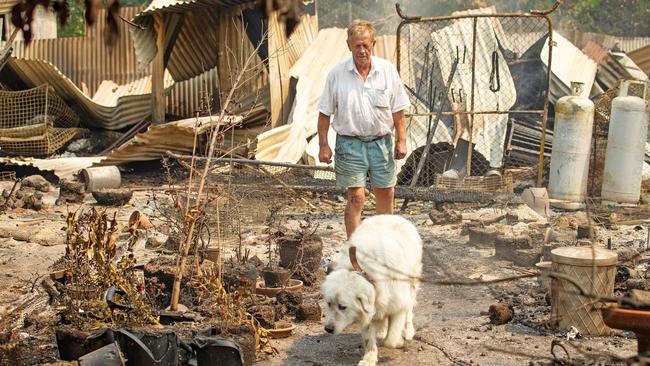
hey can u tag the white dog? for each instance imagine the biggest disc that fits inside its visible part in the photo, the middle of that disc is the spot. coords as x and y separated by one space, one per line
382 297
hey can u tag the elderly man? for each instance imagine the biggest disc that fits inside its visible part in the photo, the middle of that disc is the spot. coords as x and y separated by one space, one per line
367 99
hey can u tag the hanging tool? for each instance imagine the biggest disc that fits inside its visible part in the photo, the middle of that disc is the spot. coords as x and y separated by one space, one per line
425 69
432 131
495 80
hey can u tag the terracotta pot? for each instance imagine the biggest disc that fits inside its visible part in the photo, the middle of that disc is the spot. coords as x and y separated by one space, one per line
307 252
637 321
276 277
138 220
281 330
293 285
211 254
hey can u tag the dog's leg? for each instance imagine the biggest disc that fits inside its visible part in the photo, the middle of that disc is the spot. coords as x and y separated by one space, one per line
382 328
369 335
409 330
395 330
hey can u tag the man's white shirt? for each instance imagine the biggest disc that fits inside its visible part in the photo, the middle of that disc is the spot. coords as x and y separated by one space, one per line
363 108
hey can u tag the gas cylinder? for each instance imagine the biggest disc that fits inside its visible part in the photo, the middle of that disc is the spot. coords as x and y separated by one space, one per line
574 118
626 139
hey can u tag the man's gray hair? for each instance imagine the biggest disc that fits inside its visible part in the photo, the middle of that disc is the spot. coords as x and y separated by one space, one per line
360 27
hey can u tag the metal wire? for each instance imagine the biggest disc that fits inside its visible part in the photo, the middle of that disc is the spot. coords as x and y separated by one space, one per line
499 92
35 122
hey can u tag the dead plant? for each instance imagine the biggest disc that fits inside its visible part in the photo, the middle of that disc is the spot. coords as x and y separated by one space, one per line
195 204
92 266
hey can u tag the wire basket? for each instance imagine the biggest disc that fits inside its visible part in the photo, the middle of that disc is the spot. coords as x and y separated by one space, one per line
35 122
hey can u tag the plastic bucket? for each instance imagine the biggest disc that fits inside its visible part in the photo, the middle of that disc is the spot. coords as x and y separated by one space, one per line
595 271
101 177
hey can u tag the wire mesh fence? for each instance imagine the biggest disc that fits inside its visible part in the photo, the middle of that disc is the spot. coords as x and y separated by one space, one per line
603 110
35 122
479 89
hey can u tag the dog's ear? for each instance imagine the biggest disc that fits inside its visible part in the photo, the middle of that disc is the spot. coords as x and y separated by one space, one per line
367 301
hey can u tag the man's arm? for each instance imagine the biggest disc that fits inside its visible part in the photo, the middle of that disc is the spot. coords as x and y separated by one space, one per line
324 151
400 134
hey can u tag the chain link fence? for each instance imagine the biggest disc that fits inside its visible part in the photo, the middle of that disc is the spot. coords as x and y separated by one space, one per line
35 122
479 88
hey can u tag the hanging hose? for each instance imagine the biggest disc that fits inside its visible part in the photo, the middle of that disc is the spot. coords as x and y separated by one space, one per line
495 79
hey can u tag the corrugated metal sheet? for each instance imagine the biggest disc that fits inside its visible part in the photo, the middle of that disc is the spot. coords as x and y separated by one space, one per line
283 55
197 34
612 66
630 66
114 107
86 60
641 57
183 5
629 44
209 35
569 64
64 168
205 35
625 44
155 142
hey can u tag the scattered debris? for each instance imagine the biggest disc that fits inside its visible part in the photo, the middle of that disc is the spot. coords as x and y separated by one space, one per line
306 312
501 313
37 182
70 192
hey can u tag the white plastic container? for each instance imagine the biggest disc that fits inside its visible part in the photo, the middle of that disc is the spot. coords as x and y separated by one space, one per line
574 119
626 139
101 177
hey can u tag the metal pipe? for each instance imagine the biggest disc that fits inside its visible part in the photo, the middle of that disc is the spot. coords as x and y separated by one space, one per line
452 113
471 119
252 162
532 14
540 165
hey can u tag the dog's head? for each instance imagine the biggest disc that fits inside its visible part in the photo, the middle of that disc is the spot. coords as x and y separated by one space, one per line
348 298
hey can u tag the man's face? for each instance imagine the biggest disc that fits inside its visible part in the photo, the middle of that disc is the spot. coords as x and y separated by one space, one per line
361 47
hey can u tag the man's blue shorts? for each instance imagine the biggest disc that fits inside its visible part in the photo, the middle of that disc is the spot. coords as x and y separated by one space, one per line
359 157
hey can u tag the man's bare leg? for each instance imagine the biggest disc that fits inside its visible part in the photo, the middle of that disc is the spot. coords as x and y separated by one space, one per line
384 200
356 198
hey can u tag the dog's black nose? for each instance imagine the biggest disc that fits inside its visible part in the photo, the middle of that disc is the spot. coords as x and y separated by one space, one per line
329 329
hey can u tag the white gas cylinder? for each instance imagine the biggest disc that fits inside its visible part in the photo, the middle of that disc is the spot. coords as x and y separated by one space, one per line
574 119
626 139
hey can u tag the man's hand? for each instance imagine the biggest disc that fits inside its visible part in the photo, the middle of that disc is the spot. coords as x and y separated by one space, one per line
400 135
324 151
325 154
400 149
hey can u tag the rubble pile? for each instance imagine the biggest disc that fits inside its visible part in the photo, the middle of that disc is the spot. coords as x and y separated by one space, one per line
30 194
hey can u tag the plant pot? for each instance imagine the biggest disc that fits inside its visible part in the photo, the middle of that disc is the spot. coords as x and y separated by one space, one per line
281 330
211 254
307 252
150 347
73 343
276 277
239 275
293 285
82 293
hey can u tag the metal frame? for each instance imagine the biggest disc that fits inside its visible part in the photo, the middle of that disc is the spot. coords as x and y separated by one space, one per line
543 112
